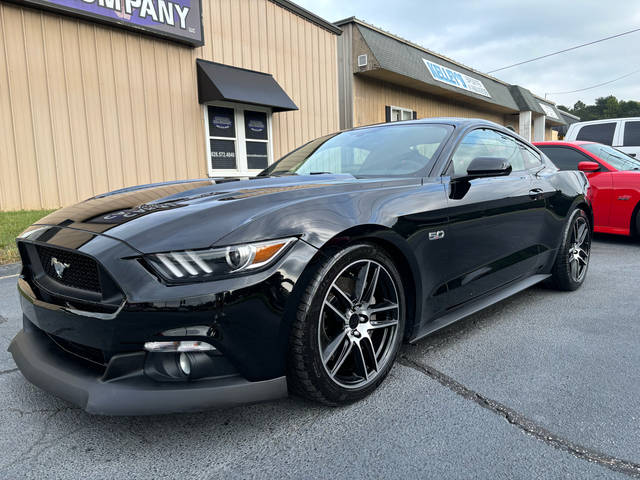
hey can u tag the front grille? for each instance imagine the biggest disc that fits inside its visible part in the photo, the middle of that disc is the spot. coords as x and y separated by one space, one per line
74 269
91 354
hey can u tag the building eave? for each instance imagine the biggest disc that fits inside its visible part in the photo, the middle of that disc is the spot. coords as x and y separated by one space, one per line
307 15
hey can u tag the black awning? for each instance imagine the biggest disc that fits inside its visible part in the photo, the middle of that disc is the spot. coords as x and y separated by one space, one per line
222 82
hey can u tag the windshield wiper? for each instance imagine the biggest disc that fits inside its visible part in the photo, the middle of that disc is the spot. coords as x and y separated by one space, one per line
320 173
278 174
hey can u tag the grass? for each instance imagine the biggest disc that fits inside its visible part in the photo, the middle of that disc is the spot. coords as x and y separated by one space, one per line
11 224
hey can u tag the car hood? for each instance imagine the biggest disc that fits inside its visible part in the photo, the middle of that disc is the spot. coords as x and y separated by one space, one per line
199 214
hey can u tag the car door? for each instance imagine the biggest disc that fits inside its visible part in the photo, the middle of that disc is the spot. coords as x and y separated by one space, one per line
601 182
492 219
543 191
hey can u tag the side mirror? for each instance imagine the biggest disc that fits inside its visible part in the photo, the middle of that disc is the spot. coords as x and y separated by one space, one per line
588 166
488 167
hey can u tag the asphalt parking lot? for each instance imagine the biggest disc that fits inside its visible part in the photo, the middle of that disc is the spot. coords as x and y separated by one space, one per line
544 384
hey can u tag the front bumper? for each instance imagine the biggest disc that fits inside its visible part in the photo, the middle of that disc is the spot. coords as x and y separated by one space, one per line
90 352
46 366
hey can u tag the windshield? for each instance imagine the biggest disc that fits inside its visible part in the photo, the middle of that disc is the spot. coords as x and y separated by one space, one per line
615 158
375 151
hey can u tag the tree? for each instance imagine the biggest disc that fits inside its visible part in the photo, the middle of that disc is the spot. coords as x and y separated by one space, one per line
604 107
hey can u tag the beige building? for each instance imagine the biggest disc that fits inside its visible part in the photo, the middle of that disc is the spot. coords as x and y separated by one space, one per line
87 106
385 78
98 95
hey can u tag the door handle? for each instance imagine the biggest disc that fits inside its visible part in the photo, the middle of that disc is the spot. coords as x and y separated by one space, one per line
535 193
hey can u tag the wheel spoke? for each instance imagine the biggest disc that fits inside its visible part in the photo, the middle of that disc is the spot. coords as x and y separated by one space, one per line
361 362
383 308
333 346
342 293
342 316
371 352
583 256
573 265
346 350
575 231
382 344
582 234
361 283
371 289
376 324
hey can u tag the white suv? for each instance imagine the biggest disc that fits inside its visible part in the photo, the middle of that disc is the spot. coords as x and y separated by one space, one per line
620 133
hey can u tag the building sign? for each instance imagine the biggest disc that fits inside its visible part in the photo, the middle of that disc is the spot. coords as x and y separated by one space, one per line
179 20
549 111
456 79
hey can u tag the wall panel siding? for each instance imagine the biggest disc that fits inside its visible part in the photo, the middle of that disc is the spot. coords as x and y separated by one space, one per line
372 95
86 108
58 110
10 191
22 121
93 110
42 120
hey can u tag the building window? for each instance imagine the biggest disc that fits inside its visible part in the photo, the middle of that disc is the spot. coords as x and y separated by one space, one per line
238 139
398 114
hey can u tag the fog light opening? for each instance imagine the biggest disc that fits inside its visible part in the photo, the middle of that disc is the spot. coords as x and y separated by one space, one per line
184 363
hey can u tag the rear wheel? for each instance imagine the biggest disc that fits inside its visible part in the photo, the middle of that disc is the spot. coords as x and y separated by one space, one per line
349 326
572 260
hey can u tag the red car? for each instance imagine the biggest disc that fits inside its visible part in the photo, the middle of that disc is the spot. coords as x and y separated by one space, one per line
615 182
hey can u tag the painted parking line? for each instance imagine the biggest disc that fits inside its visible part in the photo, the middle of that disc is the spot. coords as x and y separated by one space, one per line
10 276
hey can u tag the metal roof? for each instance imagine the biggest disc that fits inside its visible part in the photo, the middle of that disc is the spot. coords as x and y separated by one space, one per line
407 60
569 117
528 101
401 57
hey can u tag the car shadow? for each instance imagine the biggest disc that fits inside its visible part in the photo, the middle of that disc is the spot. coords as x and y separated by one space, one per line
615 239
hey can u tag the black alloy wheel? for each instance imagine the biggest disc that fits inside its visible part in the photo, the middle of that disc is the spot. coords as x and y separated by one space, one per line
579 249
572 261
349 326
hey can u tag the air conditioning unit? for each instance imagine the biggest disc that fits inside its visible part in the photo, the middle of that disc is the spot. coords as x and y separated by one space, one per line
362 60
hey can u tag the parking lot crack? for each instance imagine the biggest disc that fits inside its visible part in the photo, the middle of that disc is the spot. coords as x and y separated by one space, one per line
40 445
525 424
11 370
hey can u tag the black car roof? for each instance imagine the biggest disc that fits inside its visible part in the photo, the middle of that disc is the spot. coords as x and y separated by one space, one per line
455 121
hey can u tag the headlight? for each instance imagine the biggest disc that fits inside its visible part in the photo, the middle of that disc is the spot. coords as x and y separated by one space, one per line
189 265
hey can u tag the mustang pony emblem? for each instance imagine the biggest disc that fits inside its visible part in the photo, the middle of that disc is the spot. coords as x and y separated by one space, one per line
58 266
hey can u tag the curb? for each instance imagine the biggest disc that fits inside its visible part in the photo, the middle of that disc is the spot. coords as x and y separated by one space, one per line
10 269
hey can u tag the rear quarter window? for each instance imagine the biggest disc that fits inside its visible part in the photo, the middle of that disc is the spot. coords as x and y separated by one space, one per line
565 158
631 134
599 132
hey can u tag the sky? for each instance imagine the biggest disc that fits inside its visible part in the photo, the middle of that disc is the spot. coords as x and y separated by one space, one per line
490 34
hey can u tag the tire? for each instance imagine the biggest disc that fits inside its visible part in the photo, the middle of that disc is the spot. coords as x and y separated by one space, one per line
340 349
572 260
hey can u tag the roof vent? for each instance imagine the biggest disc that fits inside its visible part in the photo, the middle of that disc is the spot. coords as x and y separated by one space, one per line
362 60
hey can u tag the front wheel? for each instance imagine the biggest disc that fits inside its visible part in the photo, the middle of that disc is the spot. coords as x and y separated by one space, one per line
349 326
572 260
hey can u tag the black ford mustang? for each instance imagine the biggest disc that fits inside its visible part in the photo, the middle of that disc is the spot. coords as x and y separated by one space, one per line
190 295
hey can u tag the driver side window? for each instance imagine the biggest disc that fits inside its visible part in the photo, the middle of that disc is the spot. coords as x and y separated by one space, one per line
485 142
